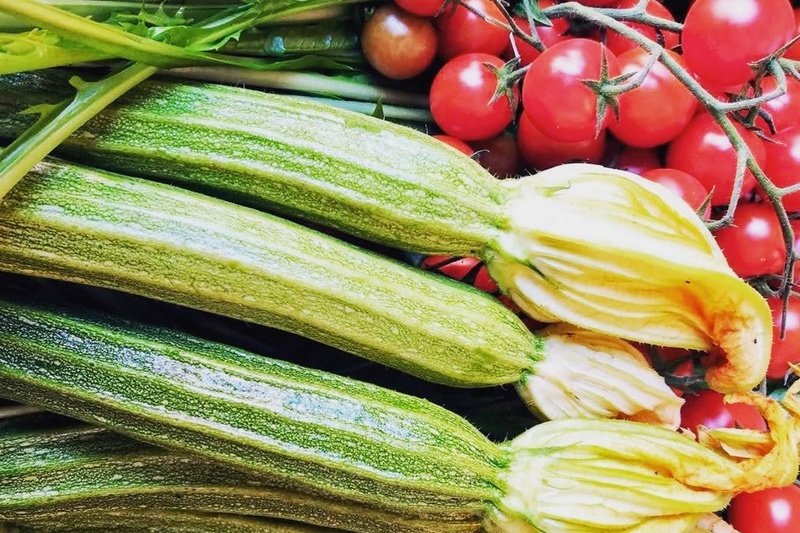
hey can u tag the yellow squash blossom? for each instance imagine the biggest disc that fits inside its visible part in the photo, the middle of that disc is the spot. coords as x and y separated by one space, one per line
612 252
587 476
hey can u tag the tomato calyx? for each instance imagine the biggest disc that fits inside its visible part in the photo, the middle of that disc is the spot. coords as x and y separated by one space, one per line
508 76
607 88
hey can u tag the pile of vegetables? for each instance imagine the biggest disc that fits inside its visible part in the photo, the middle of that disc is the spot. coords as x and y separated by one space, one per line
231 309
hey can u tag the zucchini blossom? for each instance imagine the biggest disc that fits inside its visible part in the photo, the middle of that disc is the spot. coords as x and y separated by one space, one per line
581 475
612 252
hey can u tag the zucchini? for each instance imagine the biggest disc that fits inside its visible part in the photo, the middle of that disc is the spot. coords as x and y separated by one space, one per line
73 472
602 249
358 443
160 521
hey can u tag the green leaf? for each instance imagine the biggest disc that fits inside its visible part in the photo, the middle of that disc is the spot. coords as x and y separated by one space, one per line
530 10
39 49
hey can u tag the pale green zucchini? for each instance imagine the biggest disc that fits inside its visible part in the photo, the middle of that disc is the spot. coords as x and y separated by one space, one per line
73 223
307 430
75 472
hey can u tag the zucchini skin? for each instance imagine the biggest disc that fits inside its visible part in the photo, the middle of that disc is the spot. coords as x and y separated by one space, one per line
384 182
77 224
308 430
49 475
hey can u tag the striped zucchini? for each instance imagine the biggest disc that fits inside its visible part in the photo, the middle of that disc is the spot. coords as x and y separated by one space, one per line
73 473
307 430
73 223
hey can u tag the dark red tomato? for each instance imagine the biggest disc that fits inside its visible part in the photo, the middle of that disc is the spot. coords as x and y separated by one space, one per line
596 3
462 98
423 8
554 97
794 51
467 269
684 185
766 511
658 110
499 155
541 152
674 361
786 347
398 44
783 164
703 150
721 37
784 111
707 408
753 244
549 35
458 144
619 44
461 31
637 160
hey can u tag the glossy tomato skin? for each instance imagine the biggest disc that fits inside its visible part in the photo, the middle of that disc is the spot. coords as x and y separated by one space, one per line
637 160
708 408
461 98
684 185
398 44
703 150
658 110
786 347
774 510
784 111
619 44
499 155
554 96
461 31
549 35
783 164
423 8
720 37
753 244
540 152
458 144
794 51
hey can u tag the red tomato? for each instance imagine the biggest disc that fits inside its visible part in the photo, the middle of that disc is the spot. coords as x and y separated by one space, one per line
703 150
707 408
541 152
458 144
637 160
794 51
766 511
554 97
467 269
461 98
721 37
499 155
783 164
461 31
619 44
674 361
786 347
784 111
549 35
684 185
398 44
596 3
423 8
658 110
753 244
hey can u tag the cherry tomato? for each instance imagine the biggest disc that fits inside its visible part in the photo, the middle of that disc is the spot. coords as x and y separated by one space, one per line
675 361
684 185
658 110
554 97
637 160
707 408
462 98
794 51
398 44
596 3
703 150
783 164
786 347
549 35
619 44
467 269
784 111
721 37
774 510
423 8
541 152
458 144
753 244
499 155
461 31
